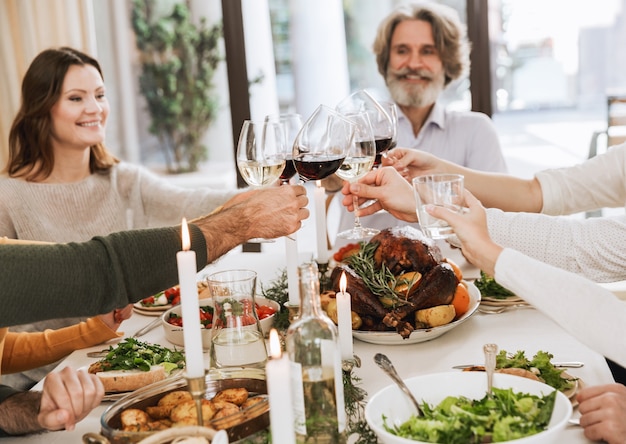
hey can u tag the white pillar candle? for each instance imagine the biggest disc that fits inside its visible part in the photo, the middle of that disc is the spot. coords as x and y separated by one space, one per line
344 319
186 261
320 222
279 392
291 247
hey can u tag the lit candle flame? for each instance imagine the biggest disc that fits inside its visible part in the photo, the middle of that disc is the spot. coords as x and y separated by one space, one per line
186 241
275 350
343 282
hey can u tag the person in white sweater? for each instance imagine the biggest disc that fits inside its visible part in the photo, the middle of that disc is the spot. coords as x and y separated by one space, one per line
63 185
548 260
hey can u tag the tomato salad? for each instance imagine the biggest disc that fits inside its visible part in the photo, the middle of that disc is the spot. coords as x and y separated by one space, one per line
171 296
206 315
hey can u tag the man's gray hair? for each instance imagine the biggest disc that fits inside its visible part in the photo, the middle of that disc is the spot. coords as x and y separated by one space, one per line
449 35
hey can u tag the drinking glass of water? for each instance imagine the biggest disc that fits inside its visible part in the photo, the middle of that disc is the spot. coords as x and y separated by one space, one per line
442 190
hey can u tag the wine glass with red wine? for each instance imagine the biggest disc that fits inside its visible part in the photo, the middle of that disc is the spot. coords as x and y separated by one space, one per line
321 145
290 123
382 115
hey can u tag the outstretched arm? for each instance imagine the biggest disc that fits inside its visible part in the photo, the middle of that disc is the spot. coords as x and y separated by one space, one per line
83 279
495 190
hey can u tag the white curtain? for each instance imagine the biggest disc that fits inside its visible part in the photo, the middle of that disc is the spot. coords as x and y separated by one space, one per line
26 28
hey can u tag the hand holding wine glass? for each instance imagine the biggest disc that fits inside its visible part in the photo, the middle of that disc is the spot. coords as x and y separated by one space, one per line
359 160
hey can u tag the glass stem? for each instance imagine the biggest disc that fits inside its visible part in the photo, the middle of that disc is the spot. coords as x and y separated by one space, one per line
357 220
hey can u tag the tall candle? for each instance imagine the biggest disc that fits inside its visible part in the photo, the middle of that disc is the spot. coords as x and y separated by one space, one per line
344 318
186 261
320 222
291 246
279 391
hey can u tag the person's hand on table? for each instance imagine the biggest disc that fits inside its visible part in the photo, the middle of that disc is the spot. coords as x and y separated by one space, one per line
67 397
389 191
603 412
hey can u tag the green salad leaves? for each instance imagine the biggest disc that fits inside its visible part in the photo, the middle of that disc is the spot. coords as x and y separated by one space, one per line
540 365
504 417
489 287
131 354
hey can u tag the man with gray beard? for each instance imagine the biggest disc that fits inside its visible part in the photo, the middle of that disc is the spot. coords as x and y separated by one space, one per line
420 49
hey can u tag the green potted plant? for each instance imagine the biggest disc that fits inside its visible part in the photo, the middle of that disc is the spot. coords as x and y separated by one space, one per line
178 60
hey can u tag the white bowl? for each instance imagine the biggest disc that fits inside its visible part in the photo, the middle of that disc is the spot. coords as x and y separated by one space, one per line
267 323
433 388
174 334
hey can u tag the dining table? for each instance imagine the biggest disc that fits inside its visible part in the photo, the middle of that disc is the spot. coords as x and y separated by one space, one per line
523 329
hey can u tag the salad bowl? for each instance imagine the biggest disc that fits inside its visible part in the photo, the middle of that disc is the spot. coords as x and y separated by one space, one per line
392 404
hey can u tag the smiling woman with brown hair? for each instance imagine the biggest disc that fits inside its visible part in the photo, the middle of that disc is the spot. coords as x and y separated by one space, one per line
64 185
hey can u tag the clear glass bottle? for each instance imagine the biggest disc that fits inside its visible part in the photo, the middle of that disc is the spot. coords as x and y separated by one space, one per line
316 378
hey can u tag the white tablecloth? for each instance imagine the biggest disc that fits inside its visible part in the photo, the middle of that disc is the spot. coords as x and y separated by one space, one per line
526 329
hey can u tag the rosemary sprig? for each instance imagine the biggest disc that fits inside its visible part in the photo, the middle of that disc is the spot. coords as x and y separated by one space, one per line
379 281
278 291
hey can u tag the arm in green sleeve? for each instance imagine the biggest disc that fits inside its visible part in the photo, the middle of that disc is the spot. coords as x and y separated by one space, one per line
39 282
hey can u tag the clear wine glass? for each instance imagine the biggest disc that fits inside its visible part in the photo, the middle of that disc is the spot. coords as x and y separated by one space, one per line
321 145
260 152
383 117
359 160
392 111
291 124
261 155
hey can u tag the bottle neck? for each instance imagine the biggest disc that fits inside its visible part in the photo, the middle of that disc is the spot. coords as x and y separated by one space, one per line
309 290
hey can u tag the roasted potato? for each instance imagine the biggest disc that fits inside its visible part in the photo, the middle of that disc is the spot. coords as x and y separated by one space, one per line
435 316
331 311
237 395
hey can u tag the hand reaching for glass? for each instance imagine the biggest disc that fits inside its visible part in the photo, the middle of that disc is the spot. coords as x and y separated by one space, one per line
440 190
470 227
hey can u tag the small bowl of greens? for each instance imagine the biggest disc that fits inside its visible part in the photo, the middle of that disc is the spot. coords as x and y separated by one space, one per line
457 409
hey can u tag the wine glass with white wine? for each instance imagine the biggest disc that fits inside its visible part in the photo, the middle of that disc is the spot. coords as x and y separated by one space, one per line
291 124
261 155
261 152
359 160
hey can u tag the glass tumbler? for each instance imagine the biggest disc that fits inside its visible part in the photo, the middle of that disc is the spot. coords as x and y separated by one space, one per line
237 340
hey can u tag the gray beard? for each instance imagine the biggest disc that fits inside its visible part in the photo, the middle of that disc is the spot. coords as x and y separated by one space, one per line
414 96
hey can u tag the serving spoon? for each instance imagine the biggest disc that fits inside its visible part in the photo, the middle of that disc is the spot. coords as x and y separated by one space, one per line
385 364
